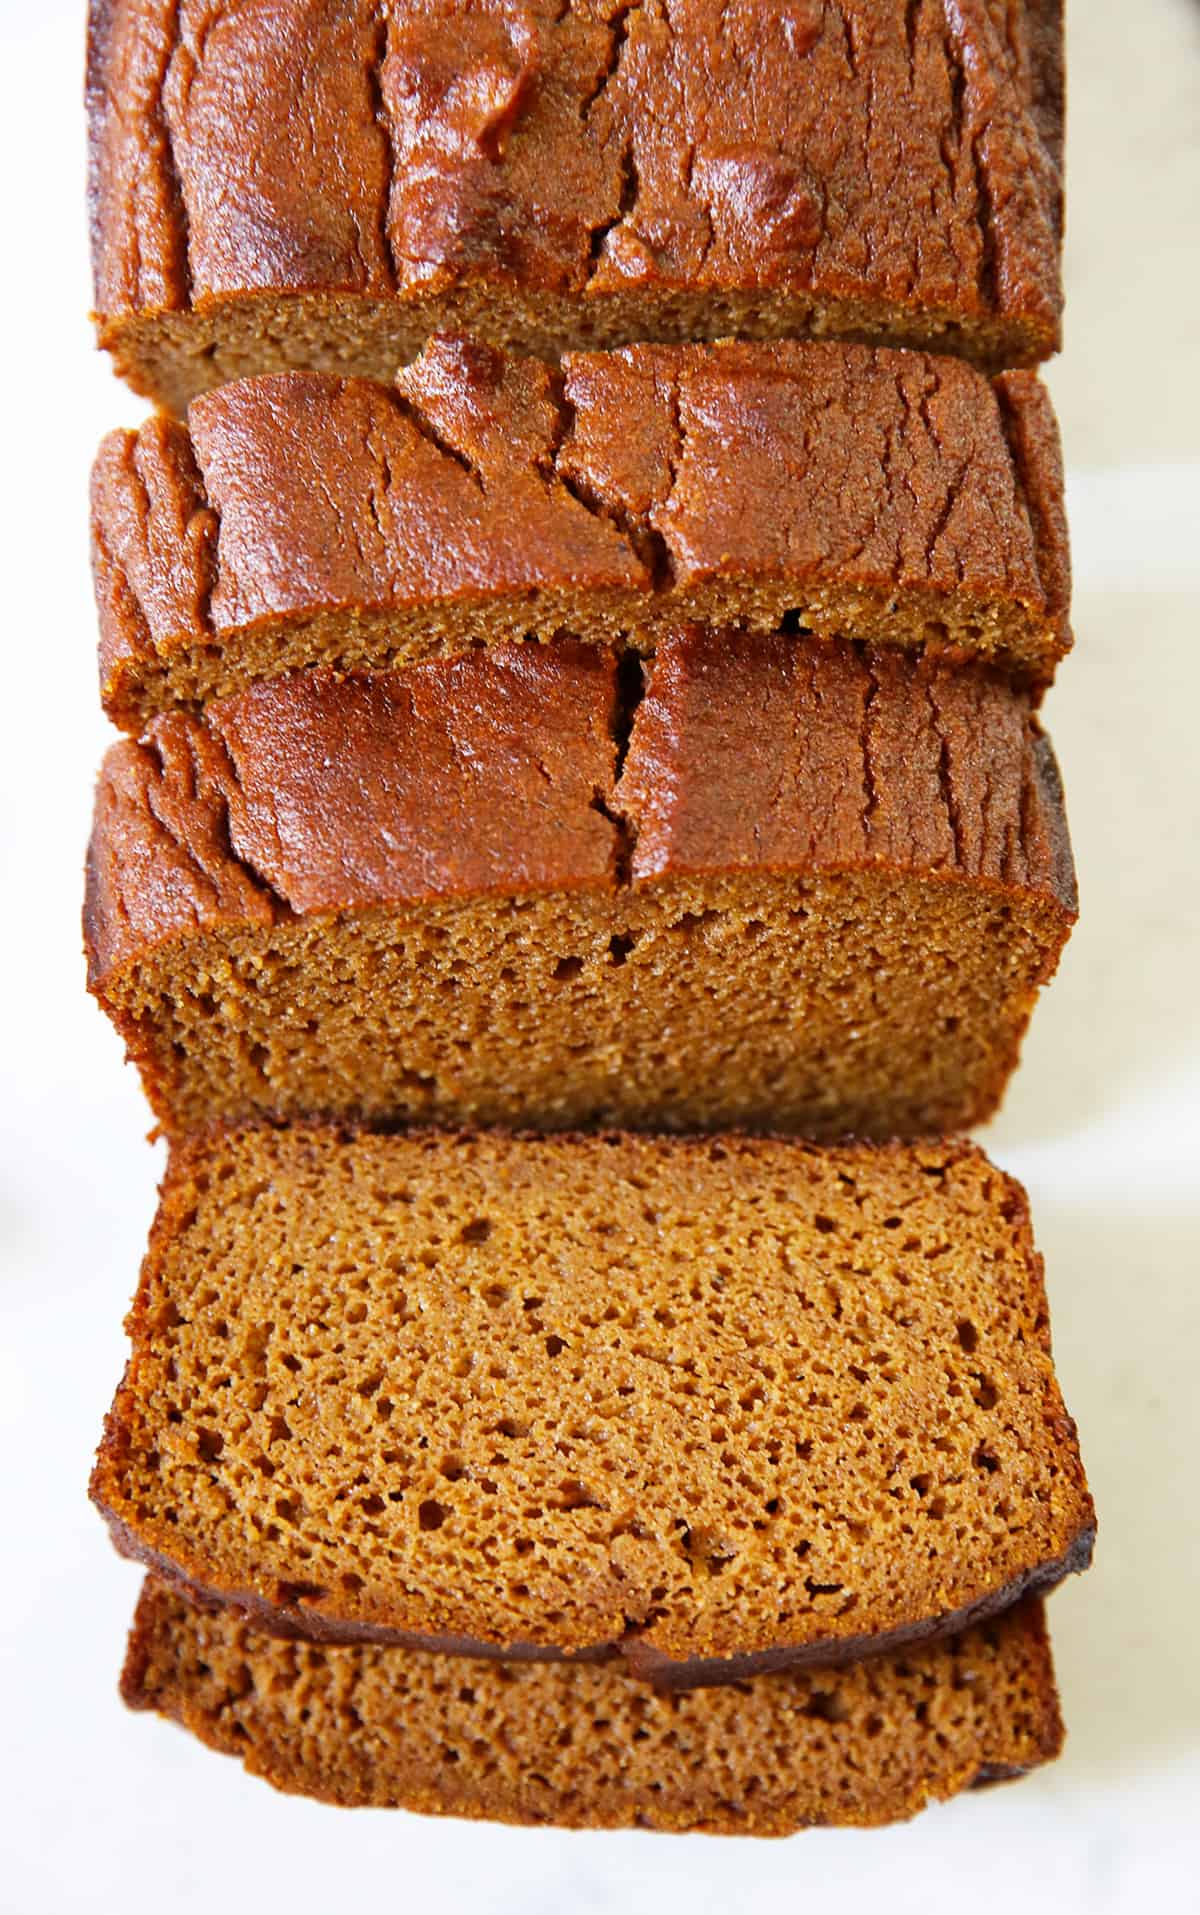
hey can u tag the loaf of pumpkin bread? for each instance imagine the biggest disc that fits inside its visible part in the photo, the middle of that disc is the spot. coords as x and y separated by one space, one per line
303 519
817 891
592 1748
324 183
718 1405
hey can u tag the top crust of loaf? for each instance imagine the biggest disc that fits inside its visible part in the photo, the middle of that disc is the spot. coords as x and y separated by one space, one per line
497 773
762 755
303 519
577 172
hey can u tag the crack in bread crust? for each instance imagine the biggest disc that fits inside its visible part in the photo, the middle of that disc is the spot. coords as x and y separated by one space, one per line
306 520
459 877
683 168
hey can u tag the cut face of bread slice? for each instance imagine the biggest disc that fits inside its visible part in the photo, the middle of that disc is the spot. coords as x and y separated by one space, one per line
310 520
819 894
592 1748
722 1404
563 176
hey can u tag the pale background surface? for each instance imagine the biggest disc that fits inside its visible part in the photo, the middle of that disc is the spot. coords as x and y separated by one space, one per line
106 1811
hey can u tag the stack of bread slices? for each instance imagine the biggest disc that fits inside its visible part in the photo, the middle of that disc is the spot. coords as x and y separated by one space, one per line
583 852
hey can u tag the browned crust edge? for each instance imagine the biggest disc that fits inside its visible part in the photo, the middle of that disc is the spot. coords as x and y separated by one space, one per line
1063 901
1028 337
1065 882
1060 893
1048 103
1032 431
664 1672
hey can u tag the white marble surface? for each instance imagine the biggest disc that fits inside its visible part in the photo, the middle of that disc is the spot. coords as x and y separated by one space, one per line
105 1811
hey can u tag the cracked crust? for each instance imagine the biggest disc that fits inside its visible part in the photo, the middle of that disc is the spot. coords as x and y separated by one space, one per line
311 795
590 1747
494 774
671 1433
846 491
850 758
504 889
555 176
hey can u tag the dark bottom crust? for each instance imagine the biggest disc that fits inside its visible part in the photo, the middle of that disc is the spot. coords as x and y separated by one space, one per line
180 1680
992 1773
298 1623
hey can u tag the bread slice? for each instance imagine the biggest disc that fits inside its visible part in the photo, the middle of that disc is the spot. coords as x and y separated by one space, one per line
722 1405
820 893
304 520
592 1748
556 176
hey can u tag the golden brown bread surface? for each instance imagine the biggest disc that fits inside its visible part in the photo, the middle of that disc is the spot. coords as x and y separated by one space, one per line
820 894
324 183
705 1400
303 519
871 1743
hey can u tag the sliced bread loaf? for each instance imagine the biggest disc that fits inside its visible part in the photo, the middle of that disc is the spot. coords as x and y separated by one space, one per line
556 175
820 893
305 519
591 1748
722 1404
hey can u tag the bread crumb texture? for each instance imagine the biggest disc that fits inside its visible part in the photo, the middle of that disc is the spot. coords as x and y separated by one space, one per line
593 1748
710 1397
